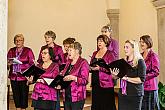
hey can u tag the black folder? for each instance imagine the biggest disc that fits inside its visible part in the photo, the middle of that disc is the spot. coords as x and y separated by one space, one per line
121 64
58 80
101 63
62 67
33 71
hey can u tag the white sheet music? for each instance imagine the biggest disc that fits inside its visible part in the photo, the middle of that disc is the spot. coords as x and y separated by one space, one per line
15 61
48 80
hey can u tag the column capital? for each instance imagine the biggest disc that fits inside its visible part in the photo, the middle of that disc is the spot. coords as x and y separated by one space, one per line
159 3
113 13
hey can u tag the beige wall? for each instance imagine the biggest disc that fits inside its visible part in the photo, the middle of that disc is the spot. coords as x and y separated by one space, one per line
81 19
113 4
137 17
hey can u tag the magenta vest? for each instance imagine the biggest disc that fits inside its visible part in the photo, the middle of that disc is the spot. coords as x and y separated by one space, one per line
42 90
152 71
81 71
26 57
105 80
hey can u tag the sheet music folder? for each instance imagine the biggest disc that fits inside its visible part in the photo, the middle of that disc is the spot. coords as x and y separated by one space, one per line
58 80
33 71
121 64
62 67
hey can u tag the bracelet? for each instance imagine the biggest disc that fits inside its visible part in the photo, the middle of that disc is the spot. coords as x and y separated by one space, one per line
126 78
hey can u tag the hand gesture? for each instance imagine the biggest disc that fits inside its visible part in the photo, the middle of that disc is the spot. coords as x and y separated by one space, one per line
40 80
114 72
29 80
70 78
95 68
58 87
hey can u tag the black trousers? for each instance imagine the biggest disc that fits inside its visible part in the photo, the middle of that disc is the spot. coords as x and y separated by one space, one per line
150 100
74 105
20 93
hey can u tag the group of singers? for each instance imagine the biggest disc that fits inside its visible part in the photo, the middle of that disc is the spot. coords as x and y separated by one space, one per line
138 89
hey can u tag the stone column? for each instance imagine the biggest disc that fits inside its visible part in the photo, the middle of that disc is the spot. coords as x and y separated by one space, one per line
113 15
160 6
3 51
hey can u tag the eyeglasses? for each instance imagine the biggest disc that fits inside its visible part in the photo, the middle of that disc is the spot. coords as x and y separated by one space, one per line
44 53
141 42
18 40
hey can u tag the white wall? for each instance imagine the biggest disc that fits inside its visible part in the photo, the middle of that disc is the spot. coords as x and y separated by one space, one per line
113 4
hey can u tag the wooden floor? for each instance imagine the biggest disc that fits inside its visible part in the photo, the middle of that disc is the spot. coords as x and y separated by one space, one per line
87 105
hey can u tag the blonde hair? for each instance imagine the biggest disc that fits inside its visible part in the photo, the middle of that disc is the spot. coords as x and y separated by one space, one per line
137 54
76 45
18 35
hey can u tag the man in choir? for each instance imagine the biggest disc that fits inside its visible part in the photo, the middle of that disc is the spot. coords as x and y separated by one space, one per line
18 82
77 71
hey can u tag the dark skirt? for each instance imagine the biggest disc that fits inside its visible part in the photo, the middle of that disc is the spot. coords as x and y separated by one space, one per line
74 105
129 102
44 104
103 98
150 100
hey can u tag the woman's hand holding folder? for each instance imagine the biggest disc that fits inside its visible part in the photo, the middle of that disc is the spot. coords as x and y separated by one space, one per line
40 80
29 80
95 68
58 87
114 72
70 78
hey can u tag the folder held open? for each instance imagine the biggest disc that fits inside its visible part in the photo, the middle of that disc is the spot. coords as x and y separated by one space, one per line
58 80
121 64
33 71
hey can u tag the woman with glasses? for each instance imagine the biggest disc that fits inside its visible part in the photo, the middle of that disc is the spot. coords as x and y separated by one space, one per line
150 99
50 37
18 82
44 97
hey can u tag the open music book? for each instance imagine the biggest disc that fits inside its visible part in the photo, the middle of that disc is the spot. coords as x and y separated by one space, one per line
58 80
121 64
33 71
